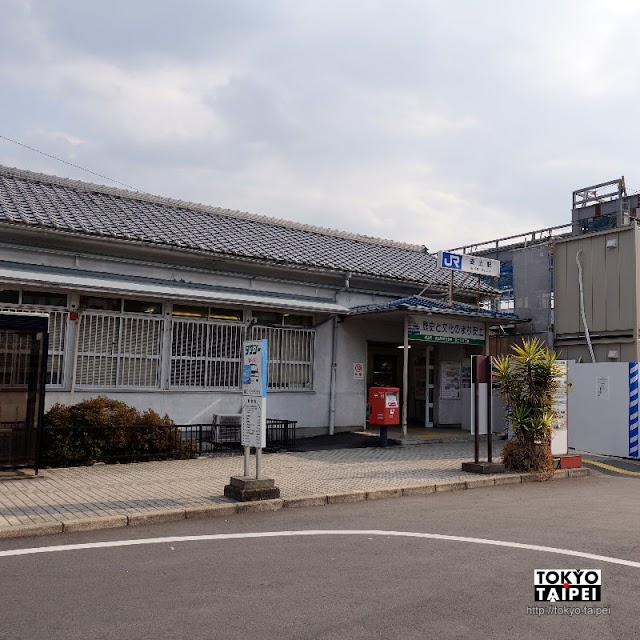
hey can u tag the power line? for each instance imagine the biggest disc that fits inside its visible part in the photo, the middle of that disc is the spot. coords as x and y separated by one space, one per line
77 166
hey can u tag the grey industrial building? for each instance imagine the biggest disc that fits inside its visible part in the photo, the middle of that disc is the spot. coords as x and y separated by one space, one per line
577 283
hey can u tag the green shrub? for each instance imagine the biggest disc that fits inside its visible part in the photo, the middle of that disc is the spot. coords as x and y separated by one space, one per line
526 380
102 429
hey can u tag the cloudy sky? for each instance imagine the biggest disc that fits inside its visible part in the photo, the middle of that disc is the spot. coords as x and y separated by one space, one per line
437 122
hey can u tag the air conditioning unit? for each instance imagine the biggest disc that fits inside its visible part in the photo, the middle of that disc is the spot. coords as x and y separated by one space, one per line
227 427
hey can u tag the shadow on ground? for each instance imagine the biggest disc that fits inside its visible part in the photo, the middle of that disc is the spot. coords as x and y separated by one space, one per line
341 440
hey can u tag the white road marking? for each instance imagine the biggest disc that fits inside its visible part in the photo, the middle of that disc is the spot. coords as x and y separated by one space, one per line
318 532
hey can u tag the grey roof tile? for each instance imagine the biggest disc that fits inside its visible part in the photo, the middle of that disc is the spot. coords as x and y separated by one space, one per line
33 199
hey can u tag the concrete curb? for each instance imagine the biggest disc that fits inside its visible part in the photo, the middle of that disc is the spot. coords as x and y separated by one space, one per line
231 508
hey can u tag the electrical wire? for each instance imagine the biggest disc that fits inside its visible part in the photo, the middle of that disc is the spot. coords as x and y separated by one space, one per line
582 312
71 164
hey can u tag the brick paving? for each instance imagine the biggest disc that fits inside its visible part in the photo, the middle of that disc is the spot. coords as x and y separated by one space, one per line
64 495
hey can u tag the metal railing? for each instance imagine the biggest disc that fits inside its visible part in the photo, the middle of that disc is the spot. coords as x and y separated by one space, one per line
75 446
211 438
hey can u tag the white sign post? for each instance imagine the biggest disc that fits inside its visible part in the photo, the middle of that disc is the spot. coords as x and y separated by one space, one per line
559 436
254 402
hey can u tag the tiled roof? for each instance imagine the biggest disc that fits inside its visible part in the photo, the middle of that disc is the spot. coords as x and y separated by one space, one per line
419 303
61 204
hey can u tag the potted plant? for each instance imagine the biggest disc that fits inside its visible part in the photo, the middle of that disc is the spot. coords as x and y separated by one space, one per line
526 380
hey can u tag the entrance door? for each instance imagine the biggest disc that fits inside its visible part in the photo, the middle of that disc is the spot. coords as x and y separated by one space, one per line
430 395
23 358
431 385
385 370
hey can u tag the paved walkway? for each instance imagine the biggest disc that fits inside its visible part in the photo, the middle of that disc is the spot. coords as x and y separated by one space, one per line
133 493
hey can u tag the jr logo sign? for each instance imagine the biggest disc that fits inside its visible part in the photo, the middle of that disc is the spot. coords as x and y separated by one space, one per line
451 260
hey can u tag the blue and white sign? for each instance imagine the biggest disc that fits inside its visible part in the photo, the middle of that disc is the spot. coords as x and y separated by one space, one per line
254 368
468 263
254 394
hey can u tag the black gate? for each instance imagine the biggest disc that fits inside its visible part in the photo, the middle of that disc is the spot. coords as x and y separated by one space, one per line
23 368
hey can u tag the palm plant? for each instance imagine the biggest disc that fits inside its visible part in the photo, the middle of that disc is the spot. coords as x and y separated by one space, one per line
526 380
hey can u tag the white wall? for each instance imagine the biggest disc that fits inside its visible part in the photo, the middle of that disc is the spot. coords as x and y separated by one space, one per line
599 424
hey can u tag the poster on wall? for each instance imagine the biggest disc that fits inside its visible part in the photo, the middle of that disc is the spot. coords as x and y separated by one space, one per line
450 380
466 376
602 387
358 371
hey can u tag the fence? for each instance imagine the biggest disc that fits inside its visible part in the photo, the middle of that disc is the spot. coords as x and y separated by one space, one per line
74 446
206 438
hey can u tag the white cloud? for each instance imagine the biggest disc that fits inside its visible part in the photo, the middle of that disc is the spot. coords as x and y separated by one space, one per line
440 123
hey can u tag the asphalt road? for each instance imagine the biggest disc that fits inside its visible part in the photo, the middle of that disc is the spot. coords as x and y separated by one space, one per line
365 585
622 467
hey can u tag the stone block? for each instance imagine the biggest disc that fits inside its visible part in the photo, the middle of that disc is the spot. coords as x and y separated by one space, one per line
450 486
93 524
212 511
380 494
309 501
156 517
419 491
262 505
343 498
31 530
509 479
579 473
477 483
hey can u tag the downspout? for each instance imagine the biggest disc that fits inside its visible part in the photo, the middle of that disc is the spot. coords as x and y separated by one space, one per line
74 370
332 384
334 364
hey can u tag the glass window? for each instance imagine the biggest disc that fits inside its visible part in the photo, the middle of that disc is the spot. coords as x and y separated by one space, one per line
294 320
100 304
225 314
9 295
268 317
188 311
140 306
44 298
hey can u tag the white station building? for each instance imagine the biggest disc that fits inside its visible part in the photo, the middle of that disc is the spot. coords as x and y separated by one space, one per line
150 300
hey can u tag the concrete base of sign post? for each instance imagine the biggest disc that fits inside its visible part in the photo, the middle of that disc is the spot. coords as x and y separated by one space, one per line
247 489
483 467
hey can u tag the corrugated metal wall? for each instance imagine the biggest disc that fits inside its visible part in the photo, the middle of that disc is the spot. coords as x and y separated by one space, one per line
610 294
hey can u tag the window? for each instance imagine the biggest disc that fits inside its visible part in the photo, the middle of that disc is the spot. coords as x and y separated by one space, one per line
44 298
205 354
9 295
282 319
294 320
225 314
100 304
15 353
290 352
118 351
267 317
187 311
140 306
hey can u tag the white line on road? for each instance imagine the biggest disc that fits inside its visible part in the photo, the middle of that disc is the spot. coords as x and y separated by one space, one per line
318 532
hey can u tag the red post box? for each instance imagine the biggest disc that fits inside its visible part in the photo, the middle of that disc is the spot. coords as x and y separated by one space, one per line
384 405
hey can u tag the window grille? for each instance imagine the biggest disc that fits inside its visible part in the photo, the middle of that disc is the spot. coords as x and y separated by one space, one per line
291 354
205 354
118 351
15 350
57 336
